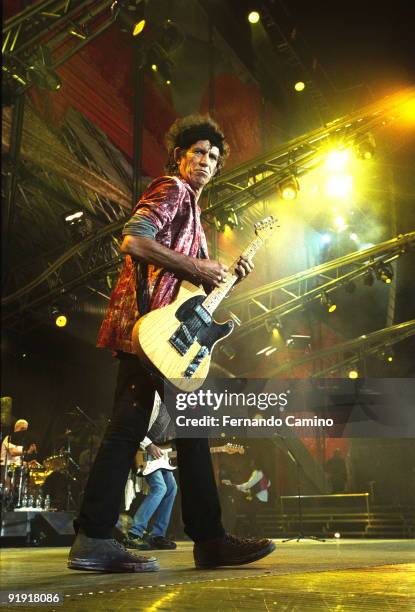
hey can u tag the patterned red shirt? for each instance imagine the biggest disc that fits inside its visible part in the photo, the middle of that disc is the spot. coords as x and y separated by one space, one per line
169 203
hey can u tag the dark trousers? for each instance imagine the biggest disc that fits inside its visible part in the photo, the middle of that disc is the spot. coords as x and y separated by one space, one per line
133 404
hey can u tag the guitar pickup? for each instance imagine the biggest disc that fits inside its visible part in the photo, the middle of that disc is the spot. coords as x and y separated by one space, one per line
203 314
192 367
182 339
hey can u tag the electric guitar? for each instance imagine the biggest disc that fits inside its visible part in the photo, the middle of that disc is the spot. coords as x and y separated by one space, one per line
248 494
178 339
148 464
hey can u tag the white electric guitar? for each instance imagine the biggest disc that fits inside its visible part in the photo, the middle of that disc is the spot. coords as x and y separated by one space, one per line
146 464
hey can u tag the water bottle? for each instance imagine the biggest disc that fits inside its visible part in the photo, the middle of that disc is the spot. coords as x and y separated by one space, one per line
39 502
47 502
30 501
24 501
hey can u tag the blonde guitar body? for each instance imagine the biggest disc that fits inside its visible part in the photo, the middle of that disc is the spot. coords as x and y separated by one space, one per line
178 339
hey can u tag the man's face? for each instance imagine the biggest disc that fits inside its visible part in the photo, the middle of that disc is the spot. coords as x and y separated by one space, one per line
198 164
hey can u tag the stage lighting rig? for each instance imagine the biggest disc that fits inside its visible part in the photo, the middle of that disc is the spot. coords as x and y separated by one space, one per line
384 272
366 147
59 318
328 304
254 17
289 188
40 71
78 223
129 15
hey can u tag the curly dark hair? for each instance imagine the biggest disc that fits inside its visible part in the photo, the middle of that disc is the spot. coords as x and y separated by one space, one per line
186 131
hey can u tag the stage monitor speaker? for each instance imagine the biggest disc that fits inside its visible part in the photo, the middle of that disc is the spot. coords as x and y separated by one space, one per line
53 529
15 529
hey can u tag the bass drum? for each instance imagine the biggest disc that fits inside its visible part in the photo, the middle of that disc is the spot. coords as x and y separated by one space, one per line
64 491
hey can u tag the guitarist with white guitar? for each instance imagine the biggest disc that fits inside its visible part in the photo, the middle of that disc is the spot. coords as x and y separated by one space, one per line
162 489
165 248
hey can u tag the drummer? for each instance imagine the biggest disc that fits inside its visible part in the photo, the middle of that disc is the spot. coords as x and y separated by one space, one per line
12 453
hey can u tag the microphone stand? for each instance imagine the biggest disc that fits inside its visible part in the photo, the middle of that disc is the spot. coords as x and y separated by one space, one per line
301 535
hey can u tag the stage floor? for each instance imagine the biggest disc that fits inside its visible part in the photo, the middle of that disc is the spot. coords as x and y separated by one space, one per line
306 576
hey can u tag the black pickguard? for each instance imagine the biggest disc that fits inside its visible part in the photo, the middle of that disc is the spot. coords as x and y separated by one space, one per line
197 324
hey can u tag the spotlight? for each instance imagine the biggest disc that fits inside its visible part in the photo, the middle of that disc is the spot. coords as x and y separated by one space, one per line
289 188
299 86
74 217
40 71
327 303
79 225
353 374
388 355
384 273
337 535
254 17
326 239
273 325
366 148
154 67
59 318
353 236
130 16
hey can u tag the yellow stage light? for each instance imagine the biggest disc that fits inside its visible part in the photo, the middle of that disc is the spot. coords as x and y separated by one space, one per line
328 303
339 186
289 188
254 17
353 374
139 27
299 86
407 111
154 67
288 193
337 160
61 321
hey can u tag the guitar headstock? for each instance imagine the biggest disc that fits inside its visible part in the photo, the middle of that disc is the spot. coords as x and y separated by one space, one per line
232 449
265 228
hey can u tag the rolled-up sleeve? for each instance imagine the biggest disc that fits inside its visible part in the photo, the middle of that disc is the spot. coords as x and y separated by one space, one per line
156 208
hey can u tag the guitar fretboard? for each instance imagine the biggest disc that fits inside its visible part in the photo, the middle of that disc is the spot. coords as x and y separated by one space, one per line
214 298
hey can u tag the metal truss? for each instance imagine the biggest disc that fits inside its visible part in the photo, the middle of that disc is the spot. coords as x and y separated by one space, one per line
252 309
97 260
354 351
286 48
259 178
64 26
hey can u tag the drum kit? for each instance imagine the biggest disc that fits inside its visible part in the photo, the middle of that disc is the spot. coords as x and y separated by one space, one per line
40 486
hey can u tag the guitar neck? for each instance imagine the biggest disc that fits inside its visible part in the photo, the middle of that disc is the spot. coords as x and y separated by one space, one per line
213 449
216 296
